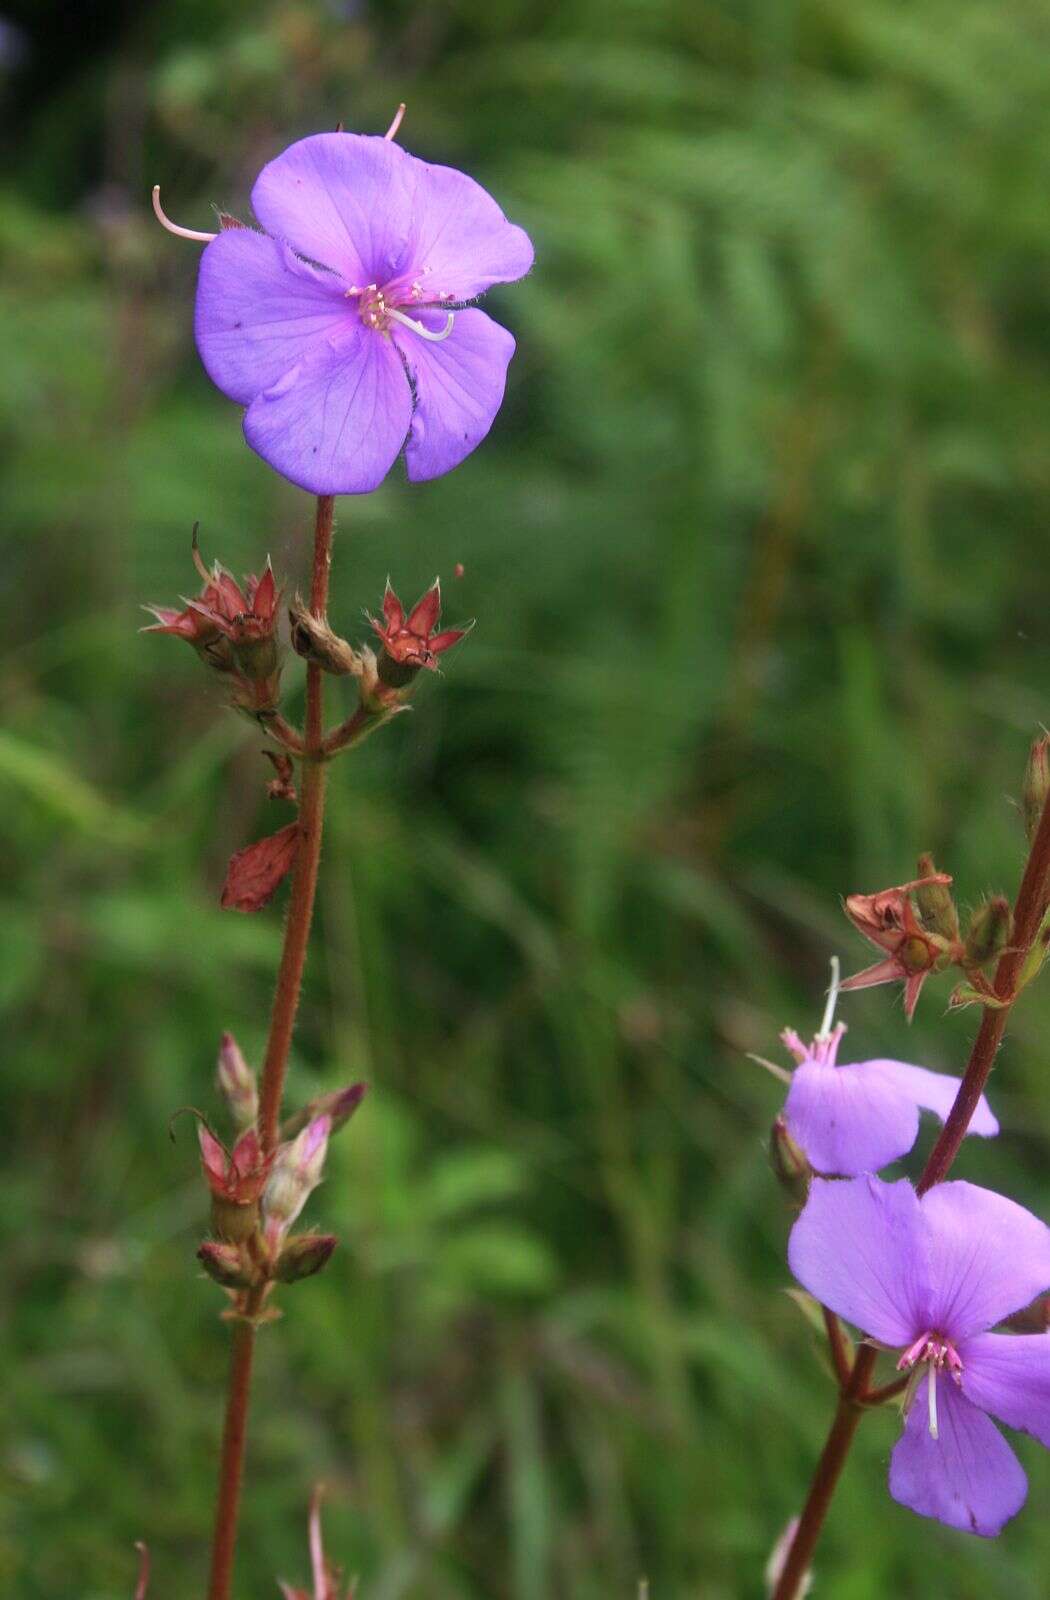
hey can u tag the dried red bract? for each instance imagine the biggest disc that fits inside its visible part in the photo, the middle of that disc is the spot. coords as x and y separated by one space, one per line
255 872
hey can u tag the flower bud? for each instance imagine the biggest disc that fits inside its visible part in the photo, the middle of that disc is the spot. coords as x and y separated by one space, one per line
237 1083
339 1106
303 1256
296 1173
226 1264
314 640
934 902
1036 785
788 1161
988 933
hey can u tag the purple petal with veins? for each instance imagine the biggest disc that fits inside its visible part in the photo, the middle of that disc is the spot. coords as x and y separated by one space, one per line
344 328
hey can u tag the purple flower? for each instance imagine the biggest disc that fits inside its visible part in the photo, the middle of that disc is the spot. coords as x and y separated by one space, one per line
929 1277
341 328
862 1115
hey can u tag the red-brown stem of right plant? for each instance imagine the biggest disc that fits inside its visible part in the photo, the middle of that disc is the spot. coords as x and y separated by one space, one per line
282 1023
1033 897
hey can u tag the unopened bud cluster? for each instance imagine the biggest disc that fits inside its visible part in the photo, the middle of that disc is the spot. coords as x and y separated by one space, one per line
257 1196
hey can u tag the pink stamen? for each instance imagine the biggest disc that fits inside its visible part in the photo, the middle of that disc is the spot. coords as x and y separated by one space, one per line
398 114
935 1349
173 227
911 1355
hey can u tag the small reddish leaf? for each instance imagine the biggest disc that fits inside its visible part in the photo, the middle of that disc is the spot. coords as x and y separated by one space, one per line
255 872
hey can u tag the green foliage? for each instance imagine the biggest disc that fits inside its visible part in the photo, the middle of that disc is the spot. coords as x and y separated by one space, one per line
757 549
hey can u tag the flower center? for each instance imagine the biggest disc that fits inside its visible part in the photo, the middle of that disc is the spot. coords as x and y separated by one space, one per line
937 1353
379 306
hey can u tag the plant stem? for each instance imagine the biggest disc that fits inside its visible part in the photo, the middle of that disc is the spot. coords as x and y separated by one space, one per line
355 729
838 1346
282 1023
231 1467
828 1470
1030 908
304 880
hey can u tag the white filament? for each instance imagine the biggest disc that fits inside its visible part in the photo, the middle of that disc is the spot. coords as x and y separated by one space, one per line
173 227
932 1396
417 327
833 995
398 114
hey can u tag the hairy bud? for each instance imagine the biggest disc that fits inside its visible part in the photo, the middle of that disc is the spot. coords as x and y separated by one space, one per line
933 900
304 1255
1036 785
314 640
989 932
226 1264
789 1164
295 1175
237 1083
339 1106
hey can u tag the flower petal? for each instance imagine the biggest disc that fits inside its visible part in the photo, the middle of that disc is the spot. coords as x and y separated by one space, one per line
461 242
968 1477
857 1247
334 424
260 310
422 619
344 200
933 1091
888 971
987 1256
1009 1375
393 610
847 1120
459 388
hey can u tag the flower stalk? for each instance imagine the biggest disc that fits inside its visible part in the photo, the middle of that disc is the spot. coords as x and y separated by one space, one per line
855 1393
282 1024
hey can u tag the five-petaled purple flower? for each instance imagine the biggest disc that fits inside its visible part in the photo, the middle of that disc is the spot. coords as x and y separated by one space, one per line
341 328
929 1277
862 1115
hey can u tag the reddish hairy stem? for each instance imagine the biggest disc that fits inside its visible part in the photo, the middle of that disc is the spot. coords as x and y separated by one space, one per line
1030 908
231 1466
826 1476
885 1391
282 1023
838 1347
356 728
304 880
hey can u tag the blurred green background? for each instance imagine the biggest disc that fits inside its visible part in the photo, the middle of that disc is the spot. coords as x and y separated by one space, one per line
758 551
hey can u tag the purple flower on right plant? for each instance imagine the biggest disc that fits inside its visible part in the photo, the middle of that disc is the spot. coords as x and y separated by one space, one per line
342 328
862 1115
929 1277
